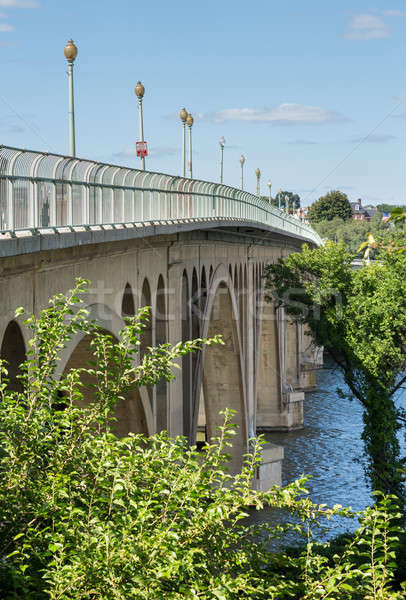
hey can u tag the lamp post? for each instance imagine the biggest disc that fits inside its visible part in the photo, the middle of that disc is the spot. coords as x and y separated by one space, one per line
270 191
242 161
279 198
189 121
287 204
258 174
222 142
183 117
139 92
71 53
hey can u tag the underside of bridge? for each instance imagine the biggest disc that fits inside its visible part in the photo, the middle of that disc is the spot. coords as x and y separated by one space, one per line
198 283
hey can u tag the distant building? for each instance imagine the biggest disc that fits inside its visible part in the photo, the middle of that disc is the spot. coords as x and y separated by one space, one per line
362 213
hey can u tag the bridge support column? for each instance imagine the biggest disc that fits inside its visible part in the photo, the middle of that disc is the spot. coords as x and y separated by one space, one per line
311 359
270 470
175 386
250 346
268 379
222 381
280 407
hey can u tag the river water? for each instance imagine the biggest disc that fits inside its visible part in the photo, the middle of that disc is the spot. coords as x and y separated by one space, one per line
329 448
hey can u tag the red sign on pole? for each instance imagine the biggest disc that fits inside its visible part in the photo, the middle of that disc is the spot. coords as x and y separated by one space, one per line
141 149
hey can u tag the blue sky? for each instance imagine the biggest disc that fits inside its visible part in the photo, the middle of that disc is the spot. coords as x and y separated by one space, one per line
314 94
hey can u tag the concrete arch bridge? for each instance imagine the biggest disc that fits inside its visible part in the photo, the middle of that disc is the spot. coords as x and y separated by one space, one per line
195 252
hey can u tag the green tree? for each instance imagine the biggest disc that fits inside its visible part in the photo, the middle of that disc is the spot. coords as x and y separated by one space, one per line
398 216
389 207
352 232
293 199
331 205
359 317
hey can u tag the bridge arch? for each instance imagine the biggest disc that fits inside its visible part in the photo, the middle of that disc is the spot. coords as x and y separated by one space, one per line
186 328
220 380
160 317
241 298
129 411
146 341
146 300
127 303
13 351
203 292
236 281
105 318
77 354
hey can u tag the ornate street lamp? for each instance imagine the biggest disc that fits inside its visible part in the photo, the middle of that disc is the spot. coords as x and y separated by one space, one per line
183 116
222 142
270 191
258 174
279 198
71 53
139 92
242 161
287 204
189 122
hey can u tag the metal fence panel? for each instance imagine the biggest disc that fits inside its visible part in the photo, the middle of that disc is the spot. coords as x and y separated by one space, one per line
40 190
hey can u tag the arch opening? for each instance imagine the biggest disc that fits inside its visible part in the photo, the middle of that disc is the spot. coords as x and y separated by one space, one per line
146 339
160 338
13 351
129 411
127 304
203 292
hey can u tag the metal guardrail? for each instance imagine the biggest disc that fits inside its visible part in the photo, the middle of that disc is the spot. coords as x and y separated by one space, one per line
39 190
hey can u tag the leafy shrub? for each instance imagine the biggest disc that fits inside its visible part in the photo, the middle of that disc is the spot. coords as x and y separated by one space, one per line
87 515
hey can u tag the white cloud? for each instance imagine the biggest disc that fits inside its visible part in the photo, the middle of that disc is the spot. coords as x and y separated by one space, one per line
366 27
287 113
393 13
18 4
5 28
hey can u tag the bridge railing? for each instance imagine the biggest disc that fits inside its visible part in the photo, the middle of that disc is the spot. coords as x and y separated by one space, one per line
40 191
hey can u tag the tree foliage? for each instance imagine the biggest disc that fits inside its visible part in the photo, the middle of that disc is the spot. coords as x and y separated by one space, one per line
331 205
388 208
87 515
293 201
359 317
352 232
398 216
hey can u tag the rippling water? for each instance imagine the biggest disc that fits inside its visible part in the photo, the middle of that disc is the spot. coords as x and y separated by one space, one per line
329 448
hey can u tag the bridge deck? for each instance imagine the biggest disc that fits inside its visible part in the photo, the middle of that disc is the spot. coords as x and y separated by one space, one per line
49 201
